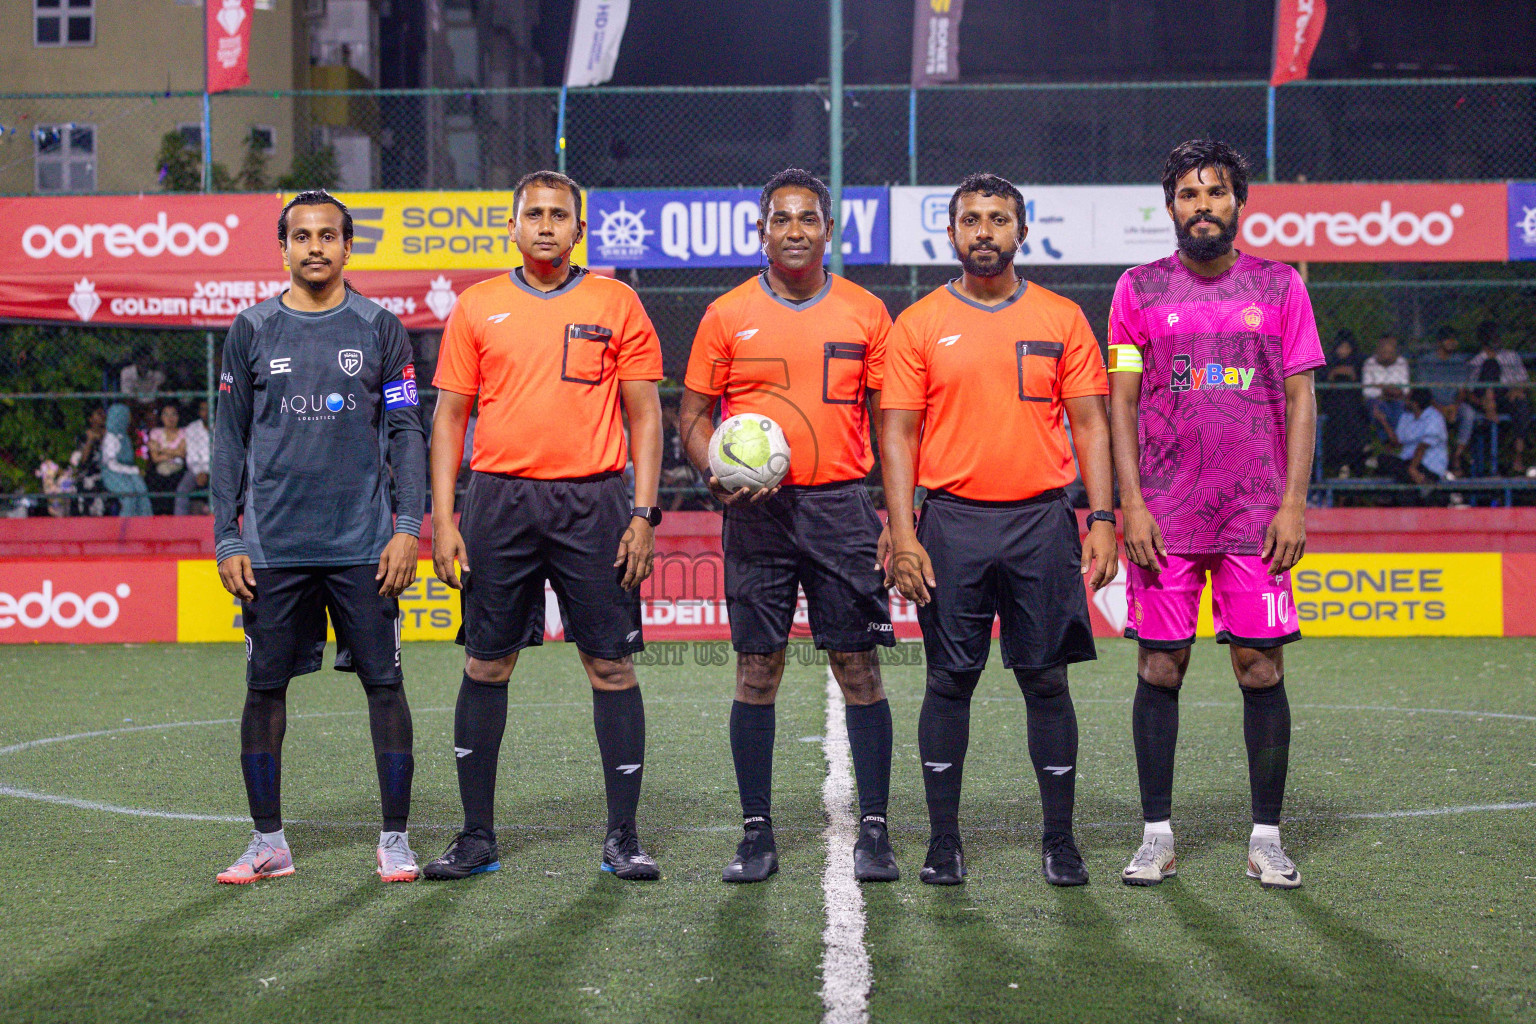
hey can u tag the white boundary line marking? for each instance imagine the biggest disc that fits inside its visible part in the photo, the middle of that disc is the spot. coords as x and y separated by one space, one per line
845 972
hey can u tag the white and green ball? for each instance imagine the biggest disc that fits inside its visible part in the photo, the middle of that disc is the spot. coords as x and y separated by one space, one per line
748 450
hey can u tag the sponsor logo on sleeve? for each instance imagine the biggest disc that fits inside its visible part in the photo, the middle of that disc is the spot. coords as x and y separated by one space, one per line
400 394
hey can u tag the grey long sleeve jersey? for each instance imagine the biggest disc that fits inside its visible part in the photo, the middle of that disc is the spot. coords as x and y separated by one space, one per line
309 406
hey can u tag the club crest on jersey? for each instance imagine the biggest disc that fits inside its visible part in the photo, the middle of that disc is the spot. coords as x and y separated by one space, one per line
1186 376
1253 316
351 360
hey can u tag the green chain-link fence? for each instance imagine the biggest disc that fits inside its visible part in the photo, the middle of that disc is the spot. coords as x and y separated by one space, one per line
50 377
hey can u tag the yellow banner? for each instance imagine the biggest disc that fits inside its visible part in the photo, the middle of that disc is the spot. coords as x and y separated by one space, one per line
206 612
1409 594
435 231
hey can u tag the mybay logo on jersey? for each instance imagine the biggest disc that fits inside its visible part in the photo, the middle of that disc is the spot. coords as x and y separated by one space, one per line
716 227
1211 376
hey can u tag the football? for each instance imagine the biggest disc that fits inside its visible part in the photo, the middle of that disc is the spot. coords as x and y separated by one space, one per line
749 451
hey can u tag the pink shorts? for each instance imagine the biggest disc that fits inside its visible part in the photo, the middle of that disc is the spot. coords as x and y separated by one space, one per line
1251 607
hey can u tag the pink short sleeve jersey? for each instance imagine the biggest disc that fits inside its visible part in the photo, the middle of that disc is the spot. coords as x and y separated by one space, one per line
1215 354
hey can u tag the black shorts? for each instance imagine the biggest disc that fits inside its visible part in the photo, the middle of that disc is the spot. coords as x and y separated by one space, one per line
519 532
1018 560
820 538
285 625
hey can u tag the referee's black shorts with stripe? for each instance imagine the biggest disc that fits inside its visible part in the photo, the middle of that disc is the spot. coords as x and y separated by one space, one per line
822 538
1018 560
519 532
285 625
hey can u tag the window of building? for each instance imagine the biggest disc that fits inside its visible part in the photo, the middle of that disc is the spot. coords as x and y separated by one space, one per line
265 136
191 134
65 157
64 22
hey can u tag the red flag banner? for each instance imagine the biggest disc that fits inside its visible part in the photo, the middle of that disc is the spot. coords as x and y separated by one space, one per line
1298 26
228 33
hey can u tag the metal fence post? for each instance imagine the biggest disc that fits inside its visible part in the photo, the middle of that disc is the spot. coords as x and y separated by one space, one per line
1269 135
560 132
912 175
835 73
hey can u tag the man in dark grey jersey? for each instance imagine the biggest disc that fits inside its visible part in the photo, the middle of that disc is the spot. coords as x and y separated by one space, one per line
317 405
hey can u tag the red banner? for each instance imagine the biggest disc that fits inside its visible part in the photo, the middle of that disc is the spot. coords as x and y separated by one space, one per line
228 32
1376 223
210 298
1298 26
87 602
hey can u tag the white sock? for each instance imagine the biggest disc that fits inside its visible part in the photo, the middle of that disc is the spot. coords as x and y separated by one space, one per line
1265 832
276 839
1157 829
384 837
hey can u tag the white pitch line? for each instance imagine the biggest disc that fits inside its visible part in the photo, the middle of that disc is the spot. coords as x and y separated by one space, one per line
1430 812
845 972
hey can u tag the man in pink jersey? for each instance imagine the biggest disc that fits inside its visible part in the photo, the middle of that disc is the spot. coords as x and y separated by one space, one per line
1211 353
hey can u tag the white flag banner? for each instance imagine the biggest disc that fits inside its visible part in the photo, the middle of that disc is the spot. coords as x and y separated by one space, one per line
597 29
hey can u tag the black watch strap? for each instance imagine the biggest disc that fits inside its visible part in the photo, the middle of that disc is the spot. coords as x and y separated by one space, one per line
650 513
1101 516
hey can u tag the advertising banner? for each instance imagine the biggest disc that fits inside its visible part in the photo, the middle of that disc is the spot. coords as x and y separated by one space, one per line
1112 225
421 300
1432 223
716 227
936 41
87 602
1522 220
1298 27
228 34
436 231
597 29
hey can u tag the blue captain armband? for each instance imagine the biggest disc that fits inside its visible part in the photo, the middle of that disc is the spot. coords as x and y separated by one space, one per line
400 394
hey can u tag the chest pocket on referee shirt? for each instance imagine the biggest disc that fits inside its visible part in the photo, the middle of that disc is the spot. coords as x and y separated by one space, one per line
1039 363
585 360
842 372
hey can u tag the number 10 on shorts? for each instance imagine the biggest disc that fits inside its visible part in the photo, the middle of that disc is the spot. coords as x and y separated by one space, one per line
1277 608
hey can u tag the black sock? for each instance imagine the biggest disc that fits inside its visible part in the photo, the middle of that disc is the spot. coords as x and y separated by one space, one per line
478 723
389 720
752 731
869 741
1267 734
1052 744
943 733
619 717
1155 733
262 725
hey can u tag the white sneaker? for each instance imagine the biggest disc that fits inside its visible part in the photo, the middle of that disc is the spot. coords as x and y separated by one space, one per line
1268 863
397 861
1153 862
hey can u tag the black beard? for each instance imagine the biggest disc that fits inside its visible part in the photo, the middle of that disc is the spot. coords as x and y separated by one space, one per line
1205 248
976 269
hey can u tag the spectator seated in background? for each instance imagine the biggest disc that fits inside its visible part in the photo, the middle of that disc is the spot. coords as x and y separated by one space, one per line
85 463
1496 365
56 480
1345 427
119 473
196 476
140 378
167 454
1446 369
1385 376
1423 454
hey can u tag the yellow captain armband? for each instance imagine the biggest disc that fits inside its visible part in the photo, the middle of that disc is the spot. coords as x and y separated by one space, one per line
1124 359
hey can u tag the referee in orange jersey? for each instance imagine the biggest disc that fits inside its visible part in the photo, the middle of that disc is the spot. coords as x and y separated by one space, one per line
552 353
806 349
978 374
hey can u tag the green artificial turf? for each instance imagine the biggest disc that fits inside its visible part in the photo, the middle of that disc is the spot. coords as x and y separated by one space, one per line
112 916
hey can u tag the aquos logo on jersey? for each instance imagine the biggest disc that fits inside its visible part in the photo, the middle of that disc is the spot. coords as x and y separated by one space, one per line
716 227
318 407
1208 376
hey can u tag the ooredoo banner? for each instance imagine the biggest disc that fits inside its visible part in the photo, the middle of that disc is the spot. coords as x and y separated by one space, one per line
87 602
1428 223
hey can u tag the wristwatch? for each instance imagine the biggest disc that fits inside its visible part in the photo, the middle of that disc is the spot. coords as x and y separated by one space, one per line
1100 516
650 513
